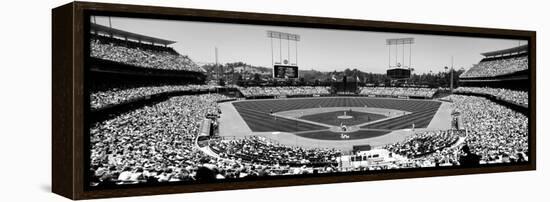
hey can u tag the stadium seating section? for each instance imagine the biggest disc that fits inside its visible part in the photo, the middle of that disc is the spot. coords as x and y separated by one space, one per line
155 138
495 132
424 143
114 96
261 150
517 97
140 55
284 90
497 67
398 92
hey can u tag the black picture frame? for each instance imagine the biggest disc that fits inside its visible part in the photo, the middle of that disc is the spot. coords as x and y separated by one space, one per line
70 111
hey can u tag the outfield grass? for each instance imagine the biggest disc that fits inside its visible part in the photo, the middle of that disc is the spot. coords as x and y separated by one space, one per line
257 115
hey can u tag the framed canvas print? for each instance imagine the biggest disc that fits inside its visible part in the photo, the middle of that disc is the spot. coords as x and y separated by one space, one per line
155 100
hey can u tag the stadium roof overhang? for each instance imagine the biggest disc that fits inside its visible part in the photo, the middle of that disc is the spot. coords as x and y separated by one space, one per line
517 49
97 28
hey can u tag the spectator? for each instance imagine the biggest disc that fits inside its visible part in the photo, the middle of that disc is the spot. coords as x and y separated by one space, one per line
468 159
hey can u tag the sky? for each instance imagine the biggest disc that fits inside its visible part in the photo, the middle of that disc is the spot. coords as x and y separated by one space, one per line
318 49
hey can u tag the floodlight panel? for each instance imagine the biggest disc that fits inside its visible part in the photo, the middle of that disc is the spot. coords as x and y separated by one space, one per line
399 41
282 35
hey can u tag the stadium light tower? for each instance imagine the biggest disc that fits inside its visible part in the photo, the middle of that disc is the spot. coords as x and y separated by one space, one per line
396 43
284 68
399 69
288 37
452 67
451 73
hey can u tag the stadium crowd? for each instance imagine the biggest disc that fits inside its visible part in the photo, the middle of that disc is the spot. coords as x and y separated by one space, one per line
150 143
155 144
423 143
113 96
258 149
140 55
397 92
518 97
496 67
496 133
284 90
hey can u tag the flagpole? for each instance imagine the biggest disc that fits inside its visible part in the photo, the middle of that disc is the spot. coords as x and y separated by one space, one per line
452 65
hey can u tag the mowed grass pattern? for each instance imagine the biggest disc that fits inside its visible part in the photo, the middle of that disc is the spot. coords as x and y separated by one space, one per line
257 115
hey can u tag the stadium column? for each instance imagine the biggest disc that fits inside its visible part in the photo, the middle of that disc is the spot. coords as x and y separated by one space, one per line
396 53
296 52
288 47
280 50
272 55
389 56
410 55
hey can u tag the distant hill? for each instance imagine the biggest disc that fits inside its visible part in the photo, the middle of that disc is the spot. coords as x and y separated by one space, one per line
238 67
244 71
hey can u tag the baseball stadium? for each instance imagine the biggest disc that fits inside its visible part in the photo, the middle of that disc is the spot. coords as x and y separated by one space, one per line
158 115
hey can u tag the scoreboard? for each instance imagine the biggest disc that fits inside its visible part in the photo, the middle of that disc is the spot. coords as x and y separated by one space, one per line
285 72
399 73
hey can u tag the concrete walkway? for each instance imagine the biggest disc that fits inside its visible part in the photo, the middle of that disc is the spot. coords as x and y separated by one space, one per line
442 118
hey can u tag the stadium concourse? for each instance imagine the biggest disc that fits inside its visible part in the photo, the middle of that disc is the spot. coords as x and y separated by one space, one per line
154 118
